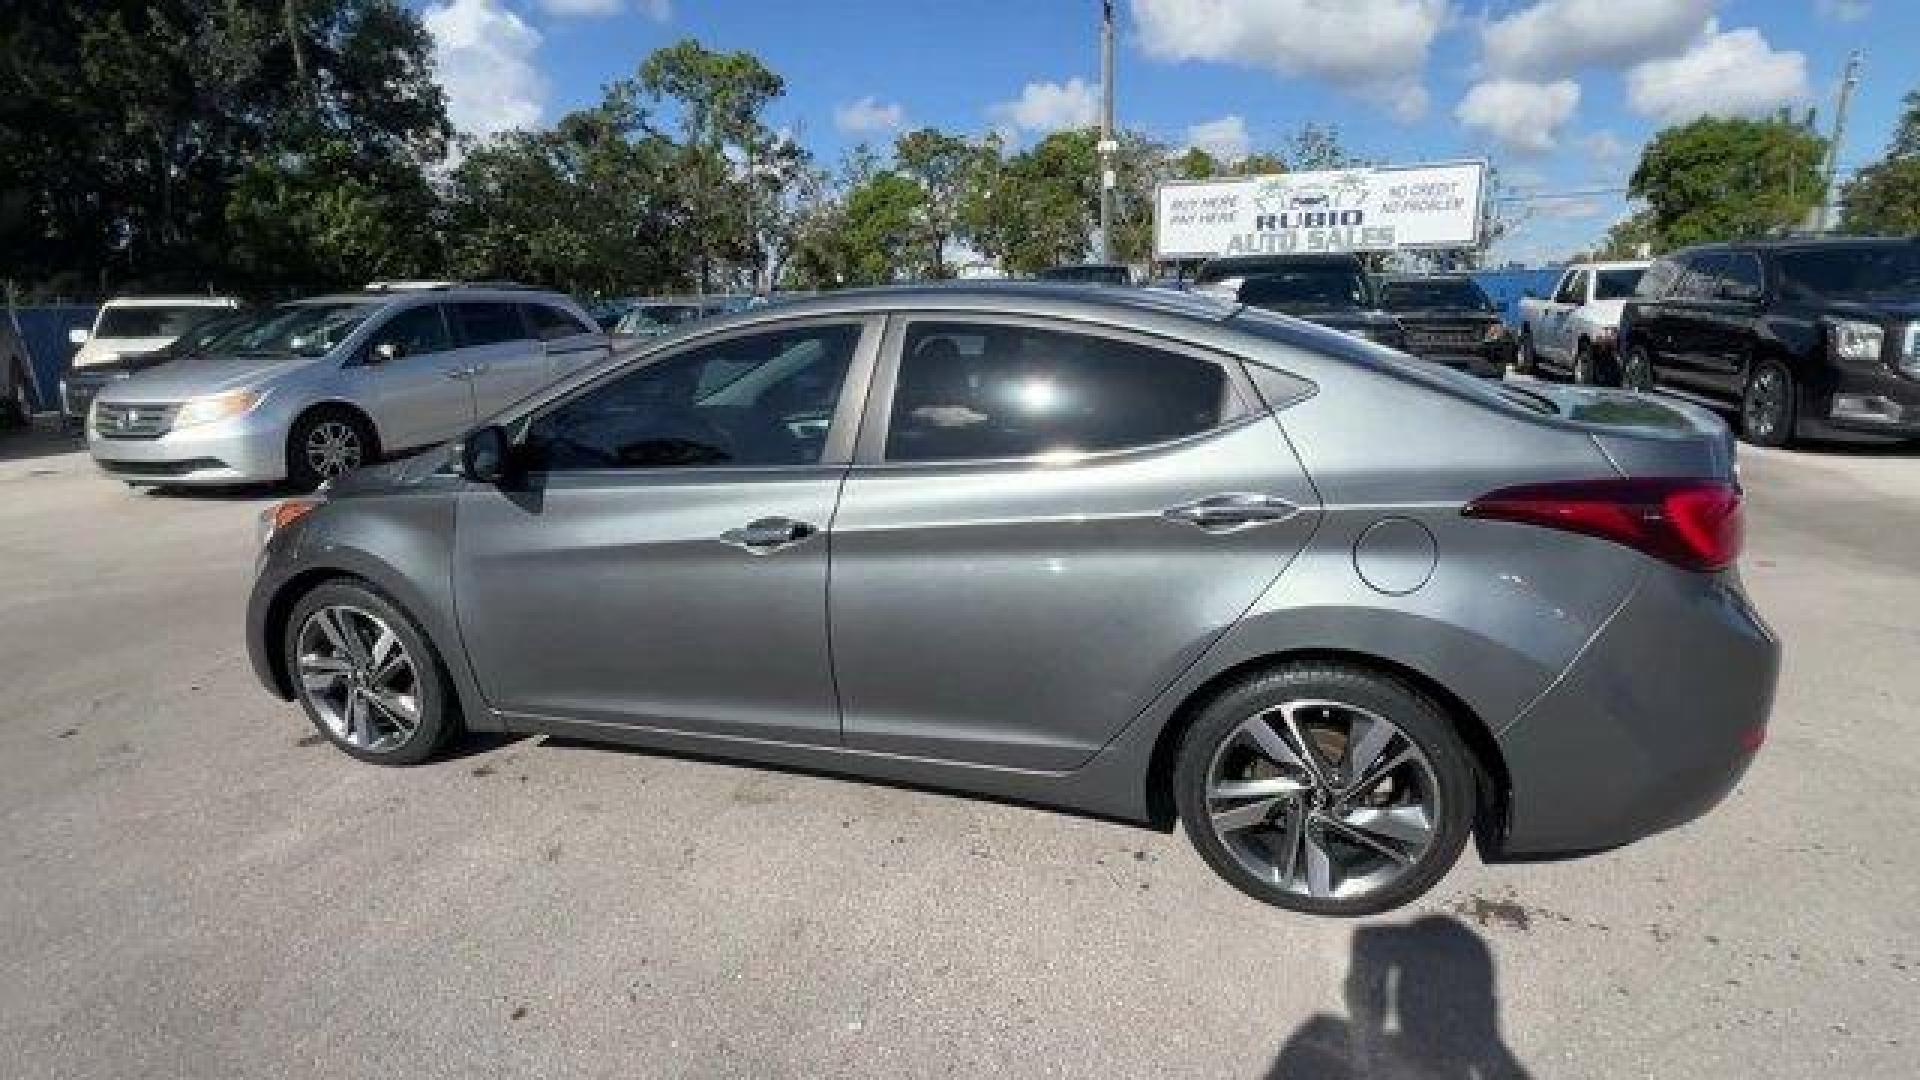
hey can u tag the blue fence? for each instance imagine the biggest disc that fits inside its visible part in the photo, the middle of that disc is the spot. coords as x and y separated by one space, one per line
43 330
1506 287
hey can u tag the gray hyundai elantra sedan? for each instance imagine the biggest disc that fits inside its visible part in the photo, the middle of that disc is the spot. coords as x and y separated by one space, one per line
1138 554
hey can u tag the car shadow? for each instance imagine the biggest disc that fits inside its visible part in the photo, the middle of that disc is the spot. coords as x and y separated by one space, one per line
1421 1005
45 438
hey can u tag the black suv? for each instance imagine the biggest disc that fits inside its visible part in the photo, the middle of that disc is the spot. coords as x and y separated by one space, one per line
1804 337
1332 290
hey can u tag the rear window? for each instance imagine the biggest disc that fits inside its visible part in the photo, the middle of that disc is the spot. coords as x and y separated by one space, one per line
1851 271
1415 294
153 322
1316 287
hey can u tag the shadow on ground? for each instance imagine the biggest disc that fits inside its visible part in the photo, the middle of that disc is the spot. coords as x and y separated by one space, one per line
45 438
1421 1005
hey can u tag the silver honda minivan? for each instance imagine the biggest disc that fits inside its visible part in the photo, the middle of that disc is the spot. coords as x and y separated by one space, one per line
1136 553
309 390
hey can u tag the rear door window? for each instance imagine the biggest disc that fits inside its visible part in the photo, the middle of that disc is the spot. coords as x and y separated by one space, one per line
418 331
482 323
1740 277
1703 276
987 391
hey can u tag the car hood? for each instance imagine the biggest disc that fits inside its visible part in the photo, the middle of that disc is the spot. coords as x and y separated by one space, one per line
204 375
1902 308
96 350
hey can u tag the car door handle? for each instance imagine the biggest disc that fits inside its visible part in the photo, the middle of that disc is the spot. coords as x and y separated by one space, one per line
460 374
768 534
1233 511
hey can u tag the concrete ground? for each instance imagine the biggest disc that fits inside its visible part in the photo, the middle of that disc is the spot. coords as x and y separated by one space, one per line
193 885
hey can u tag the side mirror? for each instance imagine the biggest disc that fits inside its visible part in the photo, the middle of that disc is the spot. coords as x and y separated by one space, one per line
388 351
79 335
486 455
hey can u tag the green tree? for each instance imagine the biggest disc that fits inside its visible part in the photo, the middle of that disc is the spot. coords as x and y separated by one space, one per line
1036 208
126 126
1315 148
1885 197
942 165
1724 178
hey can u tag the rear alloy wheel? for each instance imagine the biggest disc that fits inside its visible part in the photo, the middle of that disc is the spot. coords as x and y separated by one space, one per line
1768 405
1636 371
1326 789
366 677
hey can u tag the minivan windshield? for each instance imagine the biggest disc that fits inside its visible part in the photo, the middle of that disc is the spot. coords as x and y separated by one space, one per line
1851 271
153 322
1423 294
291 330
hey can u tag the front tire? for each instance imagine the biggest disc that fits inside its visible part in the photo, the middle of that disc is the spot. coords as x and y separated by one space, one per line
1325 788
1636 371
1585 369
367 677
328 442
1769 405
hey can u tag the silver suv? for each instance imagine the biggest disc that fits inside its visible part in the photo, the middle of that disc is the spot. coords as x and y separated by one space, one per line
309 390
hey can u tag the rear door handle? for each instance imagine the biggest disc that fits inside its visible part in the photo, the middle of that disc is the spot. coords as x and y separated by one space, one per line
1233 511
768 534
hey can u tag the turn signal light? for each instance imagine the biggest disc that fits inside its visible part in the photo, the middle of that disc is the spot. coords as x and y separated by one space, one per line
282 514
1693 524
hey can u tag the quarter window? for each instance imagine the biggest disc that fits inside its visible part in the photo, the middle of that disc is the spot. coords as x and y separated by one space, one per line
551 323
487 324
1574 289
987 391
759 400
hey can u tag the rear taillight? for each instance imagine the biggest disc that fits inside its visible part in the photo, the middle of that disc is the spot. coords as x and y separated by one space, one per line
1693 524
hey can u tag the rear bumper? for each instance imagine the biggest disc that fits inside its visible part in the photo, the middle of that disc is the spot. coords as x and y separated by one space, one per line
240 451
1652 726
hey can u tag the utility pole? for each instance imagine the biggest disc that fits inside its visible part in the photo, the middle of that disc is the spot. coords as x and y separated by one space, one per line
1847 83
1107 145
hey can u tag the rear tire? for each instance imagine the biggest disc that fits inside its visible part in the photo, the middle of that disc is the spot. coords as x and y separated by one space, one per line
1769 406
1359 833
328 442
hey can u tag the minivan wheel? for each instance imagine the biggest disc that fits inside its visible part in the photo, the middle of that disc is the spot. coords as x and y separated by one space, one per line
326 443
1329 789
1767 406
366 676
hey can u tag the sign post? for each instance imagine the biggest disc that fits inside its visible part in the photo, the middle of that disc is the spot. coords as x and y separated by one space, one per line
1373 209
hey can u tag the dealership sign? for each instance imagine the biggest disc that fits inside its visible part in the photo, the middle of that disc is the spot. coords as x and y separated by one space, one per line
1413 206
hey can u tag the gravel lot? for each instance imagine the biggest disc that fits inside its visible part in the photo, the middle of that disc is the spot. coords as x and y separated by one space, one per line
193 885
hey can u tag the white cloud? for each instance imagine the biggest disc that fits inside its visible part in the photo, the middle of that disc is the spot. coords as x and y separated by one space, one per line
1225 138
1051 106
1521 116
657 10
1558 37
1605 148
483 55
580 7
1374 48
868 116
1845 11
1726 74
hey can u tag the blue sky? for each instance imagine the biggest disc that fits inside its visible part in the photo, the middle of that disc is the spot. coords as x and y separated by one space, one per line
1561 94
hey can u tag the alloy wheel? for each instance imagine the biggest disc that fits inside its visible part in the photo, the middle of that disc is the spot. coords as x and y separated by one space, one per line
333 447
1765 403
359 678
1323 799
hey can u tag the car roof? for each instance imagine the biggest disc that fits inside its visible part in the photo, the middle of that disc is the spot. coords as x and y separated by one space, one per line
388 296
1004 297
1612 264
179 300
1802 243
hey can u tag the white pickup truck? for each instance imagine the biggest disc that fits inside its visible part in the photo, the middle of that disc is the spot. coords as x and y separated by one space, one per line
1573 328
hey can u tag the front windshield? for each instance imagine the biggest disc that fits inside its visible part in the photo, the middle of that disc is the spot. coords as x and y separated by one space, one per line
1331 287
292 330
1616 284
1415 294
153 322
1854 271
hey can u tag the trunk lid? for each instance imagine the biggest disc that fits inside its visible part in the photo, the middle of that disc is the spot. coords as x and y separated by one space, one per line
1644 435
